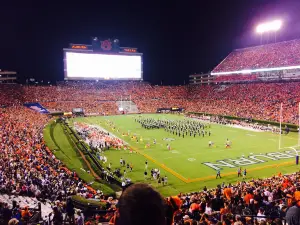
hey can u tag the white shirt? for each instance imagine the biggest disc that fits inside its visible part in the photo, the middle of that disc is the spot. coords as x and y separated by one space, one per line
208 210
260 219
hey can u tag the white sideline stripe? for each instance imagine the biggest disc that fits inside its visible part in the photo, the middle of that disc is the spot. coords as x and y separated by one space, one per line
251 135
292 138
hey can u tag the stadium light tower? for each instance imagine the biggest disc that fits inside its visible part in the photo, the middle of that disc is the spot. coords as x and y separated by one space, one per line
272 26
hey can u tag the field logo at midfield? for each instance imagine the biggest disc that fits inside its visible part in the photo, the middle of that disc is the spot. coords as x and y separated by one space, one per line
251 160
169 139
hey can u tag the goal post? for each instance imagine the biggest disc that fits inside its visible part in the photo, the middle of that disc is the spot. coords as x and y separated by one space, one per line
296 147
280 128
280 139
298 123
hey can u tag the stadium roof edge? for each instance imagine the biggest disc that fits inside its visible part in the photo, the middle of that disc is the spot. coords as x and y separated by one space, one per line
256 70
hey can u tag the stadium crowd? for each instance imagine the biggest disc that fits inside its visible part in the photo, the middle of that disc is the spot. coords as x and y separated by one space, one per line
28 167
269 201
257 101
264 56
253 100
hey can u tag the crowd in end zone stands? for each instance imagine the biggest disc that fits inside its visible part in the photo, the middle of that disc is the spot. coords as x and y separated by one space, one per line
264 56
28 167
254 100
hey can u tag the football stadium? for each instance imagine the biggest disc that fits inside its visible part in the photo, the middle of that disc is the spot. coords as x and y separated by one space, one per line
223 149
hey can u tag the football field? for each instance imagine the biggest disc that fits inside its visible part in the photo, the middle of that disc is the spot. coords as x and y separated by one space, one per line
191 164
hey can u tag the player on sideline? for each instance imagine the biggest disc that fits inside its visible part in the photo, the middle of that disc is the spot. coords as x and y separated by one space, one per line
227 144
244 174
239 172
169 147
146 165
218 174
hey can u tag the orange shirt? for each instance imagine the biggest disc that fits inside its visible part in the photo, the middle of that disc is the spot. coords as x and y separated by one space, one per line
297 195
194 207
227 193
224 211
248 197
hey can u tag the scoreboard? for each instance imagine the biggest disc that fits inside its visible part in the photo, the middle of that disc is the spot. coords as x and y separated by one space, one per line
102 60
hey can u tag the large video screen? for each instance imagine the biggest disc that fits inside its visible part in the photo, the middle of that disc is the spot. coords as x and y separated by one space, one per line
102 66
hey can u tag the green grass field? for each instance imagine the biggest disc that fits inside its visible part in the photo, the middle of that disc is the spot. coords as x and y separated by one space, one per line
65 150
185 164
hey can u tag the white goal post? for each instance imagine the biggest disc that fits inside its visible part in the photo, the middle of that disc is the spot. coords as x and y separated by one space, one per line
295 147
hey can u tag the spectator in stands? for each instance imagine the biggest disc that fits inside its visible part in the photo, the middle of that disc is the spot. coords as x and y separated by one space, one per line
13 222
79 219
70 216
57 216
141 204
6 213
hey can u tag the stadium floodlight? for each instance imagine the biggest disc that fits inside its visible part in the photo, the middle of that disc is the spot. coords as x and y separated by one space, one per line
270 26
260 28
276 25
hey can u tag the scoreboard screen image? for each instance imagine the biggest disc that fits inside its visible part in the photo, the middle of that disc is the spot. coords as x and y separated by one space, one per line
81 65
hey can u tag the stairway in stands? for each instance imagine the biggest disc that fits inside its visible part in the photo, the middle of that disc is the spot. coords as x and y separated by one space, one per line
128 106
23 201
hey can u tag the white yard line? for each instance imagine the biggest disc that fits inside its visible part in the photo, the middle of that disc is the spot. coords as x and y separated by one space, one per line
291 138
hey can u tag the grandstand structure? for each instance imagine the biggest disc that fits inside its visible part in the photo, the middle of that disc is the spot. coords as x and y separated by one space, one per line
201 79
8 77
270 62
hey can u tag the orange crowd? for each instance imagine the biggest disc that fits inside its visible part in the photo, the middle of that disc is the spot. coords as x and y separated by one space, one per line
252 100
273 55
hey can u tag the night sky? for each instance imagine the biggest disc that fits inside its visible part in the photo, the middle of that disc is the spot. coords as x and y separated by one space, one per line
177 38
